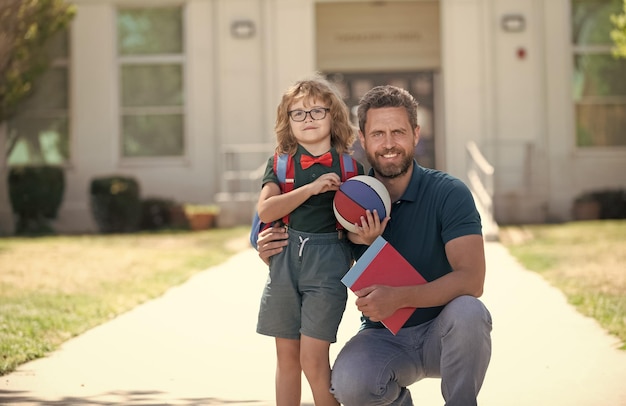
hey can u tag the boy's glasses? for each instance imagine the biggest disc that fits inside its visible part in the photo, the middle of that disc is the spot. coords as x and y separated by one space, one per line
316 114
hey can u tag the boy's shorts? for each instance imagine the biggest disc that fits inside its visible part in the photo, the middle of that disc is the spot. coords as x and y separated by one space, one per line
304 293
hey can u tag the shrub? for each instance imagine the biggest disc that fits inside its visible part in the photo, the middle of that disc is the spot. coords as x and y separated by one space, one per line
611 204
115 203
157 213
36 193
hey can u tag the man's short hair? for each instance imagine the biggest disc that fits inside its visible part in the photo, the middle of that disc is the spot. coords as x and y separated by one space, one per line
387 96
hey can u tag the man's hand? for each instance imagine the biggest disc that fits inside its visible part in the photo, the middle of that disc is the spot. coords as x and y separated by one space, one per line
378 301
270 242
466 255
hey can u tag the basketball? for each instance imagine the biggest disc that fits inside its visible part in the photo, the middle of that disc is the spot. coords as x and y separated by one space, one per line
358 194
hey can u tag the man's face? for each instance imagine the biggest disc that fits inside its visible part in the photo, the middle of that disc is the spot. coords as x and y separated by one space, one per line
389 141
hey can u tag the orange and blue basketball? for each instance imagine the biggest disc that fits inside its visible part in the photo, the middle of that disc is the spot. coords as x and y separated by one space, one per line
358 194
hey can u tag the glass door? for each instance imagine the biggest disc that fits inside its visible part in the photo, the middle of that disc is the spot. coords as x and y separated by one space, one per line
420 84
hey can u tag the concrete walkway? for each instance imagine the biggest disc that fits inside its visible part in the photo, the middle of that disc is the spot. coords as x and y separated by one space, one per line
196 345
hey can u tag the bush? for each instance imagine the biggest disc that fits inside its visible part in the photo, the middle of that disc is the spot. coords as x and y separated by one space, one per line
611 204
115 204
158 213
36 193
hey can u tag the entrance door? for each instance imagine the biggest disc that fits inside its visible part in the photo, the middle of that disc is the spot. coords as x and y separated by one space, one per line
420 84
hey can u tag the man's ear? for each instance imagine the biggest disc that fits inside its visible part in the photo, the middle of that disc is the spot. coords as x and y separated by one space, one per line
416 136
362 139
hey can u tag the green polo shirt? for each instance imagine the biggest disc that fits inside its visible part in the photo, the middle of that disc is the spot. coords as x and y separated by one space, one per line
434 209
316 214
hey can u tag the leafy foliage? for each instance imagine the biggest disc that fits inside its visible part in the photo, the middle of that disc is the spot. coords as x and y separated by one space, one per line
116 203
36 193
25 28
618 34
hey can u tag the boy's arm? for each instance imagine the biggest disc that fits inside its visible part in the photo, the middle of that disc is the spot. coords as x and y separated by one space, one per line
274 205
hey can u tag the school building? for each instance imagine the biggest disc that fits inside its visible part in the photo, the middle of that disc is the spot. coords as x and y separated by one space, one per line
182 95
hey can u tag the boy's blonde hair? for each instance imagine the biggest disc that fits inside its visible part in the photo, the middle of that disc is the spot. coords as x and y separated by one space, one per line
342 133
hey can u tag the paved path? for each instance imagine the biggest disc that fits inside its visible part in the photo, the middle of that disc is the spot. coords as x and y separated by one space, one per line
196 345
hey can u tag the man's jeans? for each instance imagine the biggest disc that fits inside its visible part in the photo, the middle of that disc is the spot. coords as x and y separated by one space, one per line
375 367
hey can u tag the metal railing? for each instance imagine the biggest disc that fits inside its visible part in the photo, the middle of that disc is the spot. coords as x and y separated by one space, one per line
243 166
239 175
480 174
244 182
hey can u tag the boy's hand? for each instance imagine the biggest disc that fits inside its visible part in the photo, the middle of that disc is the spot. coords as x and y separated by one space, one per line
325 183
369 229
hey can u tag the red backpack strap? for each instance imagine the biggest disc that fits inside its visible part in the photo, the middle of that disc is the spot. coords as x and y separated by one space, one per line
348 167
285 172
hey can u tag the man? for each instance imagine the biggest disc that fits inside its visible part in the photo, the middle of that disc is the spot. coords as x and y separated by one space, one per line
435 225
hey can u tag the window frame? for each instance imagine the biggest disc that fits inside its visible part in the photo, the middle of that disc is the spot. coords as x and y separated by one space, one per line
152 60
578 50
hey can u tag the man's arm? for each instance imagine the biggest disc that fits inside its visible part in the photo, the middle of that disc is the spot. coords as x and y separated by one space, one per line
271 241
466 255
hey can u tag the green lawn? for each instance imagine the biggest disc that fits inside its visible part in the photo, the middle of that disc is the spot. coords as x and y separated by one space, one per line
54 288
586 260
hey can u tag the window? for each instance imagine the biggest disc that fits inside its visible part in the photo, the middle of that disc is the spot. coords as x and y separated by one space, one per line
599 86
39 132
151 72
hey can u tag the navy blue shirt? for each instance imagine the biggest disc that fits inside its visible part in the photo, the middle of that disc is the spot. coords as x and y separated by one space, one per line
434 209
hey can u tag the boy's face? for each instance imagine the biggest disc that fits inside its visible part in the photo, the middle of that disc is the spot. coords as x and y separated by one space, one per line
389 141
312 133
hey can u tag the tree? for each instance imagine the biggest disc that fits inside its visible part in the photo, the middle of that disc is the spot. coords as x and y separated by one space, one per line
618 34
25 28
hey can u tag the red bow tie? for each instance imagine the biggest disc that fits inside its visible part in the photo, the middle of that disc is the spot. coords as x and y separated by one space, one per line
306 161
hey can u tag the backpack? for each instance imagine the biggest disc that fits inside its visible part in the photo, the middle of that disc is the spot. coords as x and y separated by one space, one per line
285 172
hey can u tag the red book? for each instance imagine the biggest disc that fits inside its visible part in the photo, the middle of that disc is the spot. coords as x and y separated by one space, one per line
382 264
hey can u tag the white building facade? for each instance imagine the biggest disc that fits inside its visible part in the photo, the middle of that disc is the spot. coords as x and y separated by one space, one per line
181 95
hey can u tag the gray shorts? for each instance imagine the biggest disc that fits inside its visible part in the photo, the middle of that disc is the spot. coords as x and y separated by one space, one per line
304 293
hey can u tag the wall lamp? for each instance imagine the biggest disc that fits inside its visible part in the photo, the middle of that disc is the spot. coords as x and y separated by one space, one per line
513 23
242 29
